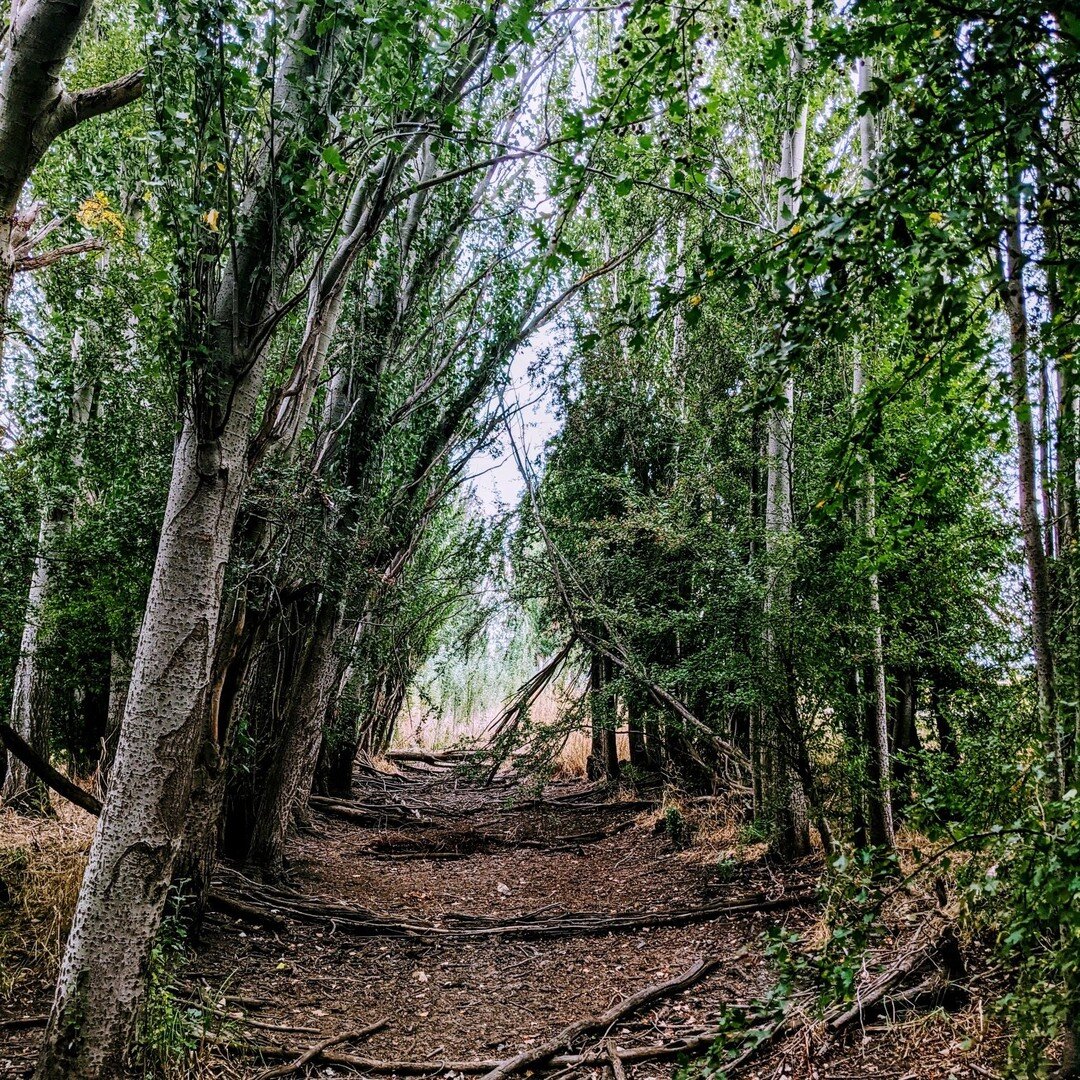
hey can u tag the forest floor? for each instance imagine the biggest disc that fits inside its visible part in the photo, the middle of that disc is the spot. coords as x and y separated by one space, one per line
472 924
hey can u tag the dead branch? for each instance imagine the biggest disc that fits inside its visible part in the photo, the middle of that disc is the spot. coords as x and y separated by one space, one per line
535 1054
304 908
881 990
612 1052
59 783
48 258
314 1051
14 1023
228 905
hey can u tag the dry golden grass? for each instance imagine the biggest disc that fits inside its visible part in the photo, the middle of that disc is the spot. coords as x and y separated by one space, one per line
573 758
41 866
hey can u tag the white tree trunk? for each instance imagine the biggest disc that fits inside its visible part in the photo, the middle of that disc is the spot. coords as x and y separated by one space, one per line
139 833
29 704
32 698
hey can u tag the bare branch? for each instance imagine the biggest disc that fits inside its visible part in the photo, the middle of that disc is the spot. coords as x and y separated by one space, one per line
76 107
48 258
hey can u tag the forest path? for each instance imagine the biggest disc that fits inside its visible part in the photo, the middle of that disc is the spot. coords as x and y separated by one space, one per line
444 855
474 923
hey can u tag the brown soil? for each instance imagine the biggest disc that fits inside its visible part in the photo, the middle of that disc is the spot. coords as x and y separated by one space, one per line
470 851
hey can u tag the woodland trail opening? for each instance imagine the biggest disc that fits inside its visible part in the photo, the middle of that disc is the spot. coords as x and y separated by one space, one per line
436 925
432 925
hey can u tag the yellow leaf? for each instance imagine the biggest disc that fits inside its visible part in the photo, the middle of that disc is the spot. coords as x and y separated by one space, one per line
796 229
935 218
211 219
694 300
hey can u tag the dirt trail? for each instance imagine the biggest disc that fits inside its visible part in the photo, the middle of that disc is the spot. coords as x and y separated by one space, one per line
453 862
488 998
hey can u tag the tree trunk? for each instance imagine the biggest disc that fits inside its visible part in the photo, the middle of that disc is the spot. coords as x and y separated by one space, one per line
784 795
30 706
1015 304
603 763
138 837
34 698
879 802
293 765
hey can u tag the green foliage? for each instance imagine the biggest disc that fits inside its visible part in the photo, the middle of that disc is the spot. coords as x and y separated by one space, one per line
171 1028
676 828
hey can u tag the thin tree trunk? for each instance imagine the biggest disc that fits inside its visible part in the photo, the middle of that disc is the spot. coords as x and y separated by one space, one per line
293 765
1015 303
787 799
34 696
30 706
879 802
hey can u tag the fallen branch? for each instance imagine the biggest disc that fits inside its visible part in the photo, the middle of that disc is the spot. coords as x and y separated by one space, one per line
303 908
228 905
14 1023
439 758
314 1051
59 783
93 805
683 1045
879 991
614 1058
535 1054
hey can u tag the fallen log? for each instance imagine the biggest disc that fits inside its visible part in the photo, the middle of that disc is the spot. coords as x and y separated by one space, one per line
536 1054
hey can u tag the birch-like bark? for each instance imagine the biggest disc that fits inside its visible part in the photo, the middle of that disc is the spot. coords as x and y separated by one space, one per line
22 790
33 696
141 829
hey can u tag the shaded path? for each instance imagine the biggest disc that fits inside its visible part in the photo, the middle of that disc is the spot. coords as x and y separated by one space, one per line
473 853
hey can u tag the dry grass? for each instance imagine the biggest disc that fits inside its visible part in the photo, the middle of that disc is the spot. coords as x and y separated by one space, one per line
41 867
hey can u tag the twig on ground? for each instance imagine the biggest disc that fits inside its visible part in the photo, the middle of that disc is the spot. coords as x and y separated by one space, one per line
545 1050
313 1052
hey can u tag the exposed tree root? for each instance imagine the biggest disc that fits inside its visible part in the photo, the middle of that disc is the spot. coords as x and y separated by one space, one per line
313 1052
288 904
228 905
